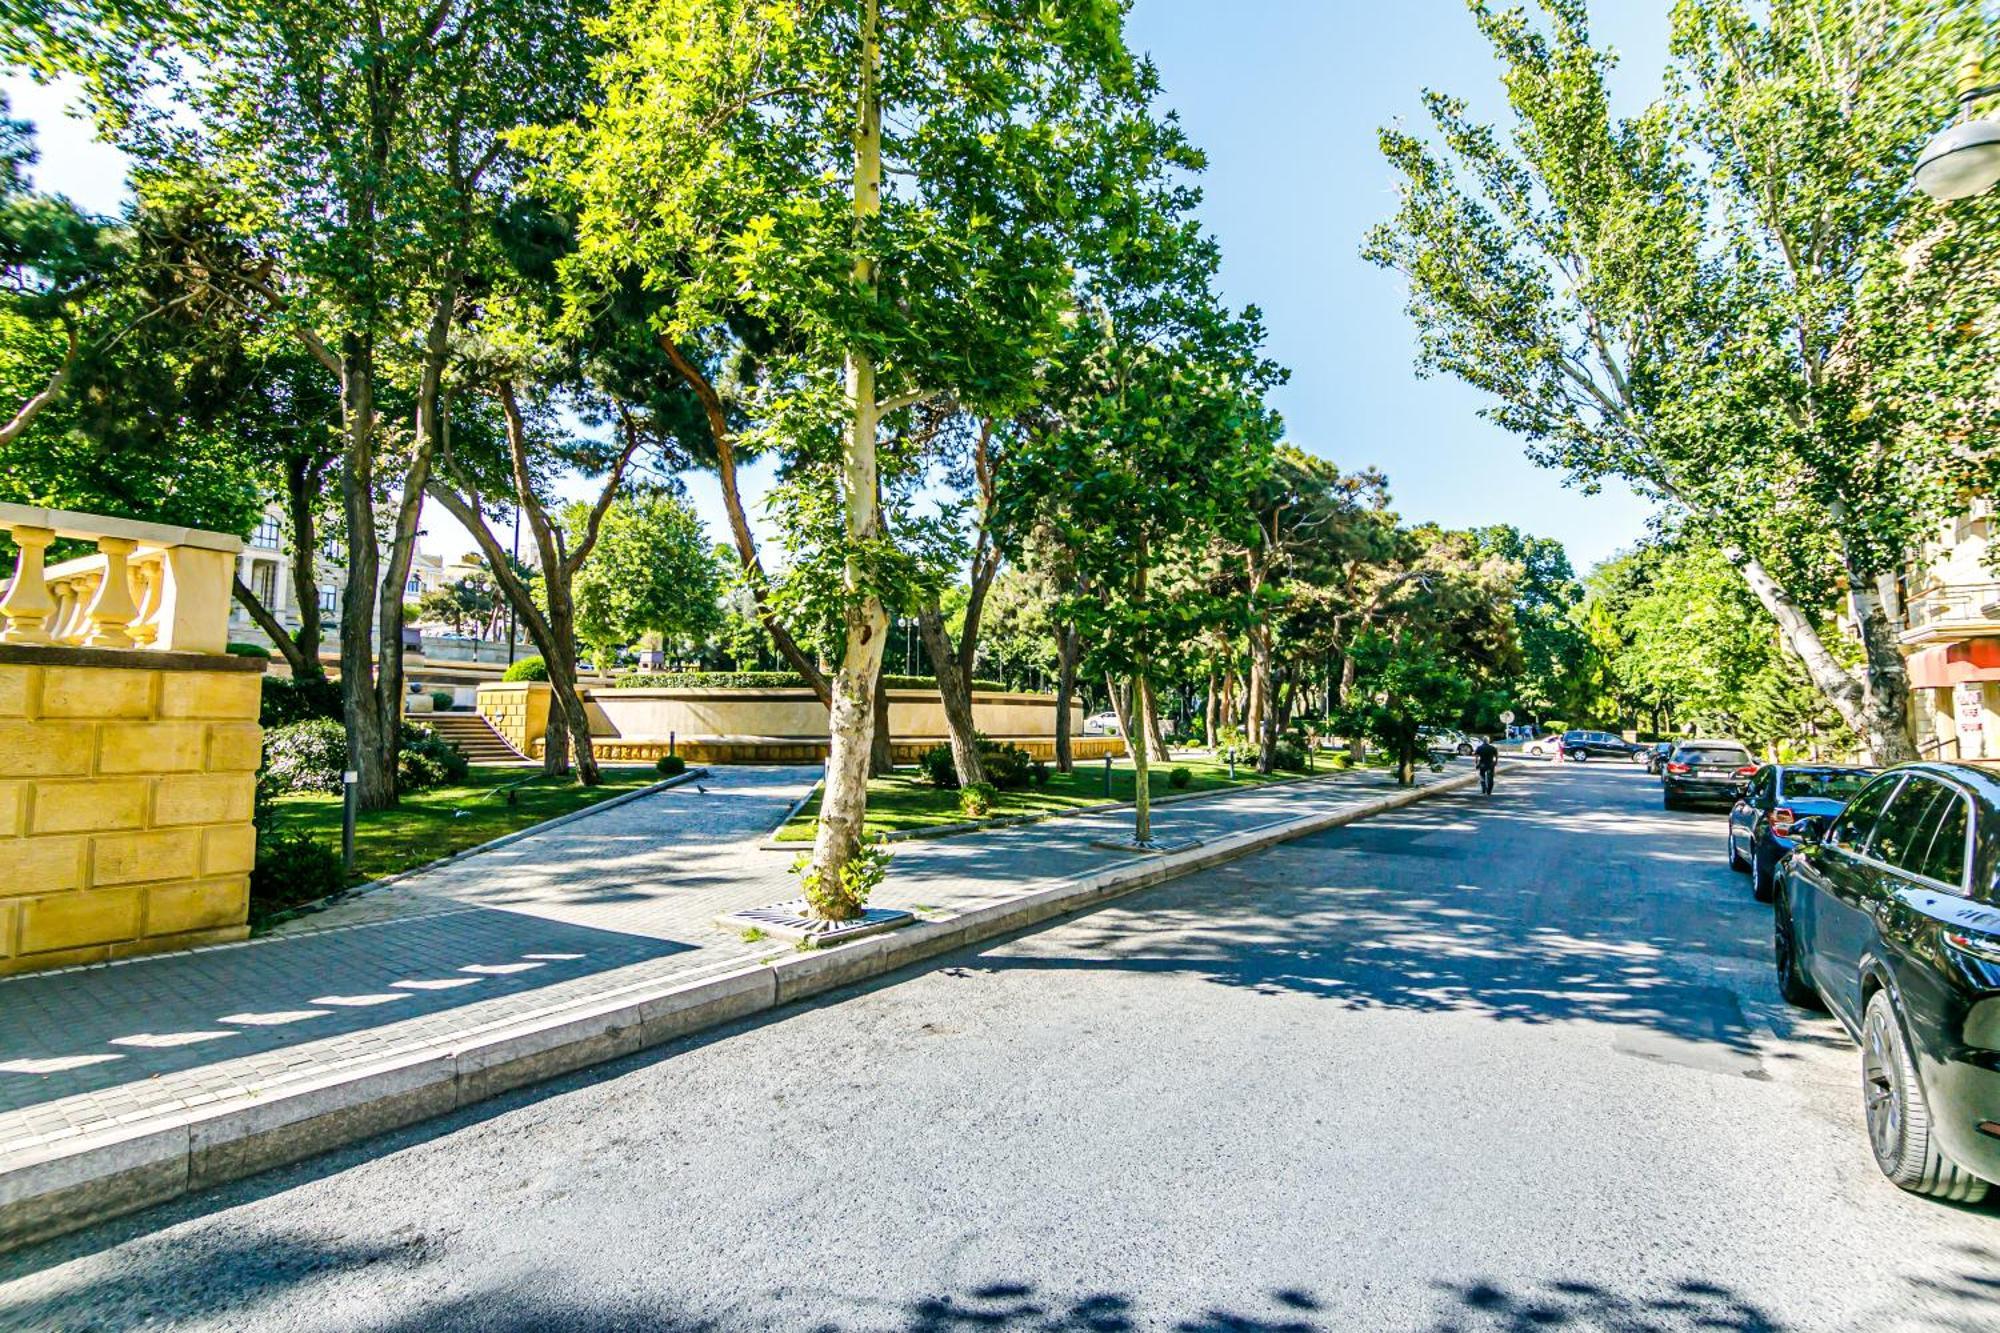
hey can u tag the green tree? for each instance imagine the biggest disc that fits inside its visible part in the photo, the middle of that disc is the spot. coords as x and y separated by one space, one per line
361 151
1733 300
1559 670
653 572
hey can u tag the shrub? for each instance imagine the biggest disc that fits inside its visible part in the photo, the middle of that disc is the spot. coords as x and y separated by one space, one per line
670 765
858 879
976 799
527 668
306 756
1179 778
1007 766
442 700
1289 756
1342 759
292 868
248 650
425 759
1039 774
290 699
939 768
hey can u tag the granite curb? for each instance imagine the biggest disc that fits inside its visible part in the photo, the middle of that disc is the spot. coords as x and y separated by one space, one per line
63 1187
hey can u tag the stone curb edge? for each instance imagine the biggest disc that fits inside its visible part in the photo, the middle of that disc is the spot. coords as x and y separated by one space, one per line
74 1184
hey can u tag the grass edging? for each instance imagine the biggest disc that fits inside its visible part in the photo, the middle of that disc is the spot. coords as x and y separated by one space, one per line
773 843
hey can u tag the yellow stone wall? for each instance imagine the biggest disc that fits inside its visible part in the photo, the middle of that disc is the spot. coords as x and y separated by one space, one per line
518 710
125 805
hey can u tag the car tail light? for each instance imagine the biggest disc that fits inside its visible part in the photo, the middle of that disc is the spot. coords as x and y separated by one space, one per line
1747 771
1982 946
1782 820
1677 768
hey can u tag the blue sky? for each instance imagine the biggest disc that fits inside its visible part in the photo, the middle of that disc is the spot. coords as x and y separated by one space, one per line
1285 96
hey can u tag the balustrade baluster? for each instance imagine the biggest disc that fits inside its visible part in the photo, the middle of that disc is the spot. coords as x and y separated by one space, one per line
27 604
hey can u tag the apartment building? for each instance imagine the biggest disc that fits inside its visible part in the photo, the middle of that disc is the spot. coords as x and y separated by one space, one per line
1951 639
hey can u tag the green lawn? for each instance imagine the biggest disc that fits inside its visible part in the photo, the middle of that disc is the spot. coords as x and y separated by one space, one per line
906 801
435 823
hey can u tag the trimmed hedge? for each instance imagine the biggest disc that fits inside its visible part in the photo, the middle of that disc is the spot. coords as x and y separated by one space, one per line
527 668
248 650
761 680
289 699
309 756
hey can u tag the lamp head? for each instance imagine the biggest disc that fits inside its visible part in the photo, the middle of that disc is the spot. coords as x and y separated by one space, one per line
1961 162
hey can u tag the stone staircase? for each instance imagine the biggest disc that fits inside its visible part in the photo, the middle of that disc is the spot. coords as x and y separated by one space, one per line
473 735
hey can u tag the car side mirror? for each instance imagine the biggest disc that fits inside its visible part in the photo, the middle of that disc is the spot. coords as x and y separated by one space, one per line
1810 829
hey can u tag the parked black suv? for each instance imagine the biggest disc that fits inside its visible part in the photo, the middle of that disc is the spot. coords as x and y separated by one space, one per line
1890 915
1716 770
1596 745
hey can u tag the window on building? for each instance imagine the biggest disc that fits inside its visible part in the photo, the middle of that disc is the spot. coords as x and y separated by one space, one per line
264 581
268 534
329 601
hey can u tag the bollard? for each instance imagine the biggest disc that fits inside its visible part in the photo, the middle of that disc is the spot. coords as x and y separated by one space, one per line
348 780
1107 776
670 743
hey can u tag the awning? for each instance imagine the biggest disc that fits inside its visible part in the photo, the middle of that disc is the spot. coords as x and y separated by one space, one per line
1948 664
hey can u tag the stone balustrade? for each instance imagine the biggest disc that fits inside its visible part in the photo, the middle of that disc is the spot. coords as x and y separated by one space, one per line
129 743
150 586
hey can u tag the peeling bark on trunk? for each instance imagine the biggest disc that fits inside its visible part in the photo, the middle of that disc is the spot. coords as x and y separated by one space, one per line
1149 714
882 745
956 696
851 724
1066 655
1873 701
1211 710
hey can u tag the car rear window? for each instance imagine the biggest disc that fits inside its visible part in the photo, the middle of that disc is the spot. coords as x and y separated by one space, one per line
1829 785
1716 754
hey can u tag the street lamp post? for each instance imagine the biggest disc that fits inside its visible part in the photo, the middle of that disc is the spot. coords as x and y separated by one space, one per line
1964 160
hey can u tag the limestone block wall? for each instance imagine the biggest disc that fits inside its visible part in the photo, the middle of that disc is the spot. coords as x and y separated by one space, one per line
126 786
518 710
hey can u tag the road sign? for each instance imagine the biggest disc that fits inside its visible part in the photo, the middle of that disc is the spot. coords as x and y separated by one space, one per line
1507 718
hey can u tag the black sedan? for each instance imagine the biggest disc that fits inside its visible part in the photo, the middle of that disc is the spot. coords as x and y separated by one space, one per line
1715 771
1780 795
1890 915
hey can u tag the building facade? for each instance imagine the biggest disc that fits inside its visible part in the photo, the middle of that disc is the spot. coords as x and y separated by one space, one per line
1951 640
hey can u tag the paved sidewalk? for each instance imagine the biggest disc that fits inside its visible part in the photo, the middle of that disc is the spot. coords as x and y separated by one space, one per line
621 899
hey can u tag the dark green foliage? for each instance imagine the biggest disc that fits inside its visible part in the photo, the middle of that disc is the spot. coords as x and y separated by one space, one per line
764 680
291 868
441 700
670 765
1289 756
250 650
426 759
976 799
939 769
1007 766
1038 773
1179 778
305 756
289 699
528 668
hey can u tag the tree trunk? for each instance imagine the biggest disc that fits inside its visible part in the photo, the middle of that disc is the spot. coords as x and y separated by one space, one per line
851 724
304 479
274 630
1142 793
1066 655
1263 721
1874 701
1122 706
1211 711
882 745
956 696
375 788
1149 715
567 713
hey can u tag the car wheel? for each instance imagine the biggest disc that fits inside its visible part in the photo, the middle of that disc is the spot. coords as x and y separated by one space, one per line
1638 758
1668 801
1580 756
1792 983
1763 873
1464 749
1899 1120
1736 861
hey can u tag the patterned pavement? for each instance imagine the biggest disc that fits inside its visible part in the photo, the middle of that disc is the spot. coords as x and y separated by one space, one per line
623 897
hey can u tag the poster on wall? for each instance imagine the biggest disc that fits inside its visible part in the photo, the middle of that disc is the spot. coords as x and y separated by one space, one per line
1968 707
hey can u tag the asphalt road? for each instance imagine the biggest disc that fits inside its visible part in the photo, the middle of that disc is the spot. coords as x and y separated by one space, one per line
1511 1064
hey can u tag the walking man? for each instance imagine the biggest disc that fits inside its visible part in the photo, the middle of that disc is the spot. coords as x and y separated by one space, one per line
1487 756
